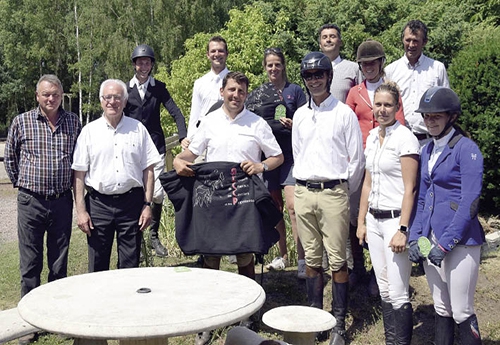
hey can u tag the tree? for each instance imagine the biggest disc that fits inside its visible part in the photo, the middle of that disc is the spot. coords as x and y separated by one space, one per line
474 75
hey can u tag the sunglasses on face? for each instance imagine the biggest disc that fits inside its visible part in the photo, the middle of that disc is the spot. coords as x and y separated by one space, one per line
313 76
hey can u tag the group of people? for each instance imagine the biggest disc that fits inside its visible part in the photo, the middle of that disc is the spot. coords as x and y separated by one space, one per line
371 156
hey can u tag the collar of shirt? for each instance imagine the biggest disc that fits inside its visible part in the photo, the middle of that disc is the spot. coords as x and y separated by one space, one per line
327 103
389 130
109 125
441 143
135 81
237 117
60 112
419 62
336 62
218 77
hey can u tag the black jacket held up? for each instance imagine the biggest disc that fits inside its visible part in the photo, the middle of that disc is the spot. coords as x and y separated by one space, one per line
222 210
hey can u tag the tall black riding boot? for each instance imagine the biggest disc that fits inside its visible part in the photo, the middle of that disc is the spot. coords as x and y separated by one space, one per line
404 324
160 250
315 291
469 331
444 330
340 292
389 323
358 270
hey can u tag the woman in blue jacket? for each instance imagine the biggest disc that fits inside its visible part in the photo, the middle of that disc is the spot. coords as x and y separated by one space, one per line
447 215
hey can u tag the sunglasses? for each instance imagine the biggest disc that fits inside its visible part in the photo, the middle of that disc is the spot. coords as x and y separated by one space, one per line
313 76
272 51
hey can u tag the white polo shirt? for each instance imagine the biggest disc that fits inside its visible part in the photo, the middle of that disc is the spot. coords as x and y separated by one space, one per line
413 81
327 143
114 158
244 138
206 92
384 164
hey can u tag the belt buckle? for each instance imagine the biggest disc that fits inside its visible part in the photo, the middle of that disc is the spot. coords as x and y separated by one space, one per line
314 185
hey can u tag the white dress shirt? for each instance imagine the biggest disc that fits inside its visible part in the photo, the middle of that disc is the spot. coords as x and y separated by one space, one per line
244 138
384 164
142 87
439 145
327 143
114 158
413 81
206 92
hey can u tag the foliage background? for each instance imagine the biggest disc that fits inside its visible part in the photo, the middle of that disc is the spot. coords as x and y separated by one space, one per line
85 42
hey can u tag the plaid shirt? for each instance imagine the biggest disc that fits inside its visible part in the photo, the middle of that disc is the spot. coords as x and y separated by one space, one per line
37 158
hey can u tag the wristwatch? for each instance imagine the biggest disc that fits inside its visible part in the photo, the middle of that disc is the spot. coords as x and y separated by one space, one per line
403 229
147 203
264 166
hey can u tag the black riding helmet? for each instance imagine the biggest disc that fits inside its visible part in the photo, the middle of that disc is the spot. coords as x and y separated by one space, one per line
316 61
439 99
143 50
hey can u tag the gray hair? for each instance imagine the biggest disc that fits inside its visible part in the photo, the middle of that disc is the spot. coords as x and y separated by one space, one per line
50 78
115 81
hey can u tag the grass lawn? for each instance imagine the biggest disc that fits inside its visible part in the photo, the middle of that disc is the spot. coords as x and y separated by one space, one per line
283 288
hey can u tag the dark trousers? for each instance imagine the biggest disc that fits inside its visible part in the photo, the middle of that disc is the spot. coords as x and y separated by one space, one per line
35 217
112 214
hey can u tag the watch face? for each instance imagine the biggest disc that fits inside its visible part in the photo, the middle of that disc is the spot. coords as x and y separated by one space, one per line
403 228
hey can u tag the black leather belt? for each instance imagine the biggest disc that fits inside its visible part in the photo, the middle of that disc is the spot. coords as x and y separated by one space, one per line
93 193
421 136
320 185
45 197
384 214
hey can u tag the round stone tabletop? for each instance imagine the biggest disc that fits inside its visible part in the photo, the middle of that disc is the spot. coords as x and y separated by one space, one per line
141 302
299 319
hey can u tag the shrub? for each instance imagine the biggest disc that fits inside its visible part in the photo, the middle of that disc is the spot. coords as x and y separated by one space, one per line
474 75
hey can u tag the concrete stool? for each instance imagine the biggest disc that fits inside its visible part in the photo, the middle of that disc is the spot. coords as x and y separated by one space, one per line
12 326
298 323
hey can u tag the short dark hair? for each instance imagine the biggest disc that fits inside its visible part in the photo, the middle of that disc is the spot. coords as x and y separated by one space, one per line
238 77
218 39
414 26
329 26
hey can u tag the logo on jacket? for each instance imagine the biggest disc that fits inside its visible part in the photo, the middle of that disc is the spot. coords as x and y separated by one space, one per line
203 194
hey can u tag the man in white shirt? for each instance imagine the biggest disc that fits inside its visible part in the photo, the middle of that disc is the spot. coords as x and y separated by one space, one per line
234 134
206 90
329 163
346 74
415 73
114 160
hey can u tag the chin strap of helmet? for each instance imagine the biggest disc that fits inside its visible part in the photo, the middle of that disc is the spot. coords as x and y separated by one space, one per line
449 124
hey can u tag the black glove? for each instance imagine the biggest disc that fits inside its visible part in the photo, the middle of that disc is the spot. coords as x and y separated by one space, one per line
414 253
436 255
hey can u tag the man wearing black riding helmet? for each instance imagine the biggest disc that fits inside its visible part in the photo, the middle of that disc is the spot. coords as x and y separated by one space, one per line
329 163
146 95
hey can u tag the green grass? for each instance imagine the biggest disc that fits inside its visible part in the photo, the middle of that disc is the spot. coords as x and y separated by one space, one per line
282 288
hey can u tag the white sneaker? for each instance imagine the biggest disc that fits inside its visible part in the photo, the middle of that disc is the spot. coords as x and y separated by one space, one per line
278 264
301 269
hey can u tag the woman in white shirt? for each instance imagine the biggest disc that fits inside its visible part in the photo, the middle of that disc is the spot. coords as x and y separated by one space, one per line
386 205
